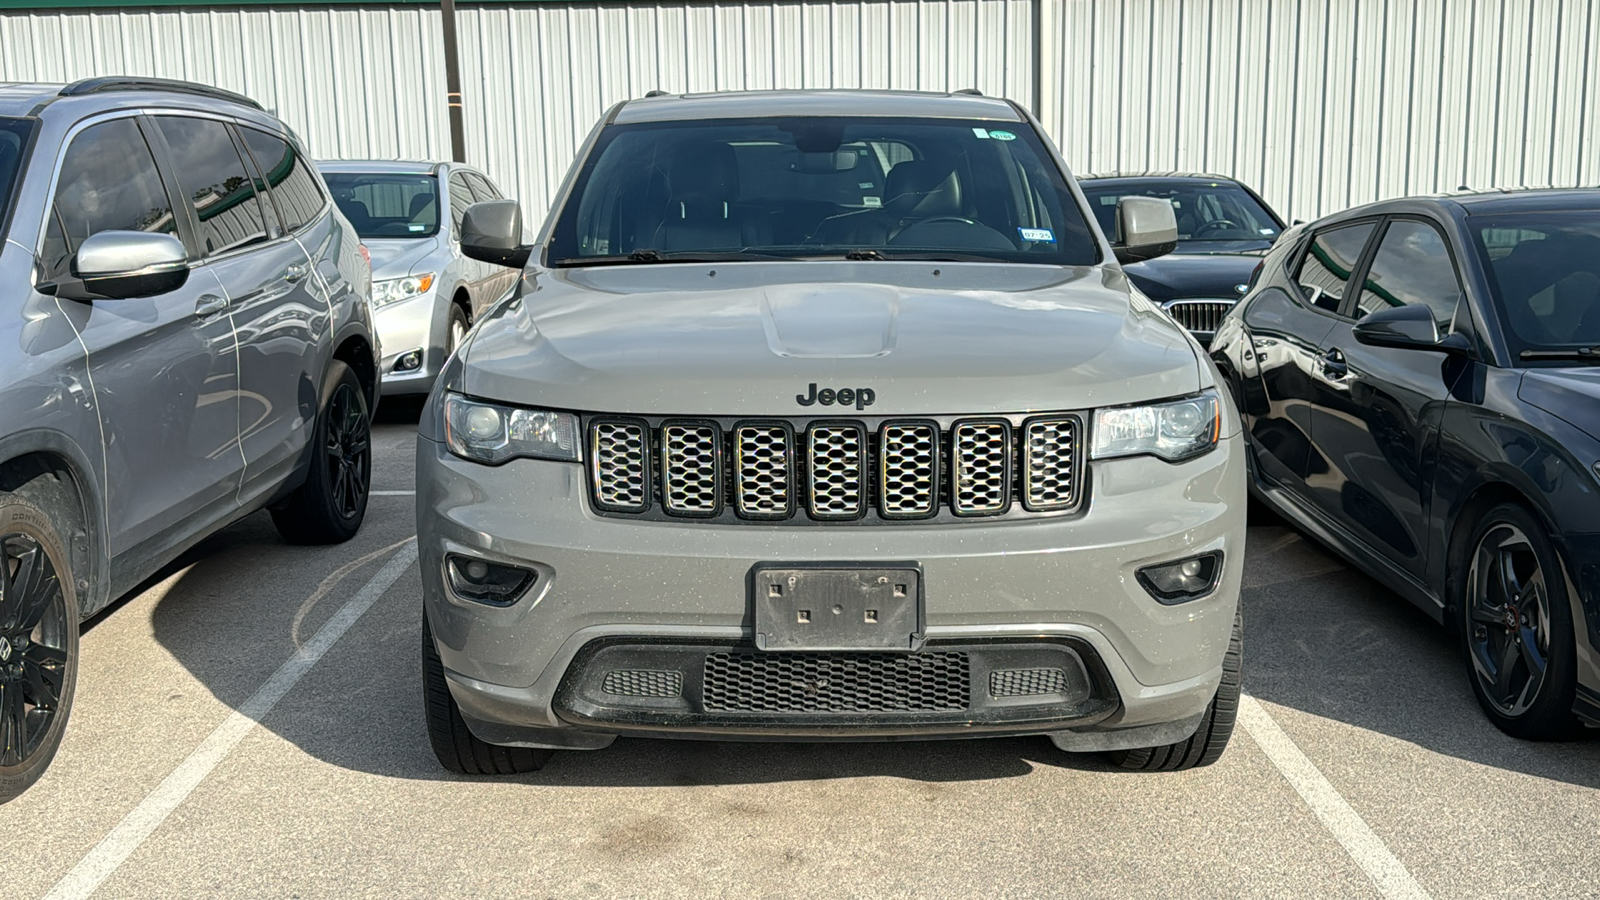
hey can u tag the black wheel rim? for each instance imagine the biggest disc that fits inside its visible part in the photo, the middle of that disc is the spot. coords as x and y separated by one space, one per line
349 452
1508 620
33 647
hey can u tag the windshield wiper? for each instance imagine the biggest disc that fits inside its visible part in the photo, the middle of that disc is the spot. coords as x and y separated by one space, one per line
866 253
651 255
1586 354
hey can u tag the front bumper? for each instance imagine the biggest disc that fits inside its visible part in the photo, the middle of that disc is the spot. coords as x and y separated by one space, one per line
403 327
524 674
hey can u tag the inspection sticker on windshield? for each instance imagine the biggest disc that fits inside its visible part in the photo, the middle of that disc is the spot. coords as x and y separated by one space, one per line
981 132
1038 235
1002 135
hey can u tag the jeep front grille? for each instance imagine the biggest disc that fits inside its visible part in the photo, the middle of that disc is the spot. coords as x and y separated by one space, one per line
1199 315
838 471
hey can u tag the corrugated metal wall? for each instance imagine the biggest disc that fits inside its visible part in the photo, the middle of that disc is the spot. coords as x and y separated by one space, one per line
1319 103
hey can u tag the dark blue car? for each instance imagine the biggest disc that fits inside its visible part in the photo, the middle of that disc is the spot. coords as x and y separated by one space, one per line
1420 383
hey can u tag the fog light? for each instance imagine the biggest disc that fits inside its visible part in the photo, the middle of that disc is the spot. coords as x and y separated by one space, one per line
1185 579
488 582
408 361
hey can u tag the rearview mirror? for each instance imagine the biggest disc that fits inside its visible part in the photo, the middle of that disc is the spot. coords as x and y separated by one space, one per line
1147 228
120 265
491 232
1407 328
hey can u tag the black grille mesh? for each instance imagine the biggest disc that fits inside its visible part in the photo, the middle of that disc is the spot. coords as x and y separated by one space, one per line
1025 682
739 681
643 683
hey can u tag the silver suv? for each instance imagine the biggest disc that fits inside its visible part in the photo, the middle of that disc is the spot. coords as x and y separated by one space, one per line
186 338
827 415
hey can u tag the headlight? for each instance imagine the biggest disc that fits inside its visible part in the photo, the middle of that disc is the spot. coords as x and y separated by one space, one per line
489 433
1173 431
394 290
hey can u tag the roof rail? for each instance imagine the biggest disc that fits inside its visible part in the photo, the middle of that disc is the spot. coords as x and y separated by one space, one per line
111 83
657 93
973 91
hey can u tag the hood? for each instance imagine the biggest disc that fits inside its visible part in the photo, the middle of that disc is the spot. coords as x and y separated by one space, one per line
1179 276
393 258
1571 394
753 339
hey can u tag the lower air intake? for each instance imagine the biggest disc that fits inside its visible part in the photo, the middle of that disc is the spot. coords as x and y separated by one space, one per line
1027 682
836 682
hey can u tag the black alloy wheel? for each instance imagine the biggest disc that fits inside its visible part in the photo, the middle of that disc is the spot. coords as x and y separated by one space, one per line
1517 627
38 644
349 450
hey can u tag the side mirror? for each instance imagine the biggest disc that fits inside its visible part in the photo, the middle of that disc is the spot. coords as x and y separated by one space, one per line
1407 328
491 232
121 265
1147 228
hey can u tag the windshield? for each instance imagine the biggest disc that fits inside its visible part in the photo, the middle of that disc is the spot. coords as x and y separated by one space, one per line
822 188
13 137
1206 210
388 205
1544 272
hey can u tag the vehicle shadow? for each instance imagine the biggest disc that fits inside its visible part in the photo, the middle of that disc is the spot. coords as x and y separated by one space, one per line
1325 639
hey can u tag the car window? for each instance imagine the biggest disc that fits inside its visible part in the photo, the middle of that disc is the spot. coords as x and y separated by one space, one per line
482 190
293 185
13 137
821 187
460 198
216 182
387 204
1205 210
108 181
1412 266
1544 275
1329 261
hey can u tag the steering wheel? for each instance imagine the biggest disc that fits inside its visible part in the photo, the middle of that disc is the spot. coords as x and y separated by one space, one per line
1216 225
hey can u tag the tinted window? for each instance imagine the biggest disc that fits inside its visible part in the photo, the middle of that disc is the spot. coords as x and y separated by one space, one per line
215 180
108 182
482 189
1206 210
294 185
1329 261
1412 266
823 187
387 205
1544 272
13 135
460 198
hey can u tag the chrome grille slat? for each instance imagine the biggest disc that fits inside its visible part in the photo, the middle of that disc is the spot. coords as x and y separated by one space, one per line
1199 315
835 470
621 475
908 470
980 459
691 468
1049 464
764 471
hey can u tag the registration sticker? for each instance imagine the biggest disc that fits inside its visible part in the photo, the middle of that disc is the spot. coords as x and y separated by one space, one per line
1037 235
982 133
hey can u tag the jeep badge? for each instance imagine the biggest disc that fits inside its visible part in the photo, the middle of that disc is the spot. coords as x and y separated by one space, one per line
861 397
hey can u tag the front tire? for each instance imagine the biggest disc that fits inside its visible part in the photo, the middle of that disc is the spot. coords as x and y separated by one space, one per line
453 743
456 329
1516 627
330 506
38 643
1205 746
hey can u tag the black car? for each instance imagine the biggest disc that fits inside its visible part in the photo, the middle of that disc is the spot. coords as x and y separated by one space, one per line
1420 384
1224 228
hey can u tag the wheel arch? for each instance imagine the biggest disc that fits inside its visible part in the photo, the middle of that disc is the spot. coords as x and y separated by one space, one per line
355 351
51 471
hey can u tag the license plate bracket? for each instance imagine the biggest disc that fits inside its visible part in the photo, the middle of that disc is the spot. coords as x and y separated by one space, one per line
837 606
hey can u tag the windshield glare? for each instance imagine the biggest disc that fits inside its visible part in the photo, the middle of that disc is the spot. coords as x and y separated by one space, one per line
387 205
819 188
1206 210
13 137
1544 271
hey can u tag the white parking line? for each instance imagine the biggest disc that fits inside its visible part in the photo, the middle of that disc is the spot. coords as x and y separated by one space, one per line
137 825
1386 870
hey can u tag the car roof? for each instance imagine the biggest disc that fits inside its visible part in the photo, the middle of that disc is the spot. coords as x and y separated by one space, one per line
1477 203
1157 176
95 95
763 104
375 166
21 98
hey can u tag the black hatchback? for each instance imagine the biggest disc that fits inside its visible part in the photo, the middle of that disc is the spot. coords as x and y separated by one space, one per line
1420 384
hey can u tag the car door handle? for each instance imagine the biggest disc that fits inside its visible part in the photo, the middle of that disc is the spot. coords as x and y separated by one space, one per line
210 305
295 272
1334 365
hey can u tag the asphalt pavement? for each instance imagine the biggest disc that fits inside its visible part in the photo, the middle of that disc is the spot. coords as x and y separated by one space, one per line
249 723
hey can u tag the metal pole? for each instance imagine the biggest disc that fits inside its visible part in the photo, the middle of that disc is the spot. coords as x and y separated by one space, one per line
452 82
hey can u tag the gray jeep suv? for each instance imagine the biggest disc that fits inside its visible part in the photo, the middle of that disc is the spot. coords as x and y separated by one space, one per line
186 338
827 415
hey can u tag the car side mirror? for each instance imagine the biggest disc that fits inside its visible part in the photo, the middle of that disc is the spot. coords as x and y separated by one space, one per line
121 265
1147 228
491 232
1407 328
